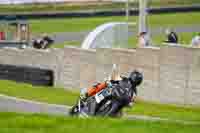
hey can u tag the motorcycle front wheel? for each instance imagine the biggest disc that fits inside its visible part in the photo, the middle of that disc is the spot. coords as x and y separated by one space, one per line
74 111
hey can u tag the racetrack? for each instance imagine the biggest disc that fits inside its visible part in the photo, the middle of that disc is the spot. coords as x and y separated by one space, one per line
80 36
12 104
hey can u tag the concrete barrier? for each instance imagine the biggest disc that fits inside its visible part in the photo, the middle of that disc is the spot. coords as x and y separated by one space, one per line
171 74
147 60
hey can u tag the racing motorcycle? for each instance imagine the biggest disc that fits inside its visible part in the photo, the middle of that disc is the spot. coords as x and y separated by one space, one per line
111 100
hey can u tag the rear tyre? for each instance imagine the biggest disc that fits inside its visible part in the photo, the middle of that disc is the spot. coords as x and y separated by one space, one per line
108 108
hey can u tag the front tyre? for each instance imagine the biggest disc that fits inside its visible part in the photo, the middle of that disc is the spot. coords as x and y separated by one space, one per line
74 111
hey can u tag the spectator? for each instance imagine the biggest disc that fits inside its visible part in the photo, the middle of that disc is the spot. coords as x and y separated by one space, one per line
47 38
2 35
143 40
172 36
43 42
196 41
37 43
47 41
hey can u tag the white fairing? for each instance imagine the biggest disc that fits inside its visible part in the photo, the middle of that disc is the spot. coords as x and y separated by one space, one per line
109 35
99 98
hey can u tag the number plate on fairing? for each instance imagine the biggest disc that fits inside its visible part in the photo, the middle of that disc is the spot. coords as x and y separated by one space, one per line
101 95
99 98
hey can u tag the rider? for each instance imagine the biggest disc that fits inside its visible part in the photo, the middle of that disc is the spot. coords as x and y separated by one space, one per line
135 78
125 93
125 90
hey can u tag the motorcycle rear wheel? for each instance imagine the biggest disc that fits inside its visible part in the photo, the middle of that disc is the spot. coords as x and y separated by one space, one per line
106 109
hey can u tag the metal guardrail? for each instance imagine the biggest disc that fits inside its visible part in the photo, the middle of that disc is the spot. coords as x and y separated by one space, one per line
44 15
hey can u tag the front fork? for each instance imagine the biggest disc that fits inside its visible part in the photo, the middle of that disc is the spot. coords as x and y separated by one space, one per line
76 109
79 106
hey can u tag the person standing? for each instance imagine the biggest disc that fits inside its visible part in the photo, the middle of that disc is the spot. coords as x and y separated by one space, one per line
143 40
196 41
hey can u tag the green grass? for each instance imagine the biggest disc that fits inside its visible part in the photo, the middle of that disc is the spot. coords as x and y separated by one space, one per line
133 42
171 112
60 96
174 19
184 38
85 24
88 6
70 25
70 43
24 123
63 7
172 2
38 93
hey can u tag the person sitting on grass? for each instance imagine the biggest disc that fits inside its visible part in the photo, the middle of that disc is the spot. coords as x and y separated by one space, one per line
172 36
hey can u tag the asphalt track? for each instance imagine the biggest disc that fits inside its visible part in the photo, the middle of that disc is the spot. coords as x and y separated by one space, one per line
80 36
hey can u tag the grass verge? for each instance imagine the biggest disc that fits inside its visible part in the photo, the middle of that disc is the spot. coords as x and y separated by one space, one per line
88 6
86 24
21 123
172 112
62 45
38 93
61 7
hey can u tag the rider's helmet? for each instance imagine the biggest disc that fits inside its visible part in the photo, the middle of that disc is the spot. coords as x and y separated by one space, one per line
136 78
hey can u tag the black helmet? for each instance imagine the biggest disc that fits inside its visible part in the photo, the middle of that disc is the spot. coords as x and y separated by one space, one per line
136 78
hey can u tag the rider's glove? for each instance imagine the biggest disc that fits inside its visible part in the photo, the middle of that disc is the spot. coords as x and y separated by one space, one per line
83 93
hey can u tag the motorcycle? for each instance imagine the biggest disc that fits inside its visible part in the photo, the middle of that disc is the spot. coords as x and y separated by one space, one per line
109 101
